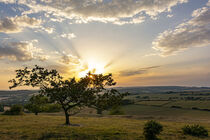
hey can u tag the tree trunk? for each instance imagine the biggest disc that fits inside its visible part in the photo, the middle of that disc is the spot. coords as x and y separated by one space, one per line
67 117
36 113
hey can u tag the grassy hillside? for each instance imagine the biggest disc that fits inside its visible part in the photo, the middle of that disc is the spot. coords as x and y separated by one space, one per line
46 126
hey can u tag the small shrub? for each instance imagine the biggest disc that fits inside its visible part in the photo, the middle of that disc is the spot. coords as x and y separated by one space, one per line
1 108
195 130
15 110
151 129
116 111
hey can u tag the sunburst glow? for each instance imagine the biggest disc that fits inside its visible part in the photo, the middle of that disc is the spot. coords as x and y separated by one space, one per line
93 67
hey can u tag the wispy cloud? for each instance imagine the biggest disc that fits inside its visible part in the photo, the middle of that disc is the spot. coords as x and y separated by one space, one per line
137 71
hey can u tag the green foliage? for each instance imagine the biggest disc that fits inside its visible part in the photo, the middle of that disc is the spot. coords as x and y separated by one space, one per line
116 110
1 108
107 100
151 129
37 104
15 110
50 108
195 130
91 91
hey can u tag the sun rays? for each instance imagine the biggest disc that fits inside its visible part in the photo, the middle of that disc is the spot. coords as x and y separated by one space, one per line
92 66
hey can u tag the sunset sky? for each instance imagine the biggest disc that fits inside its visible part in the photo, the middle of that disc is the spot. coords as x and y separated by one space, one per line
141 42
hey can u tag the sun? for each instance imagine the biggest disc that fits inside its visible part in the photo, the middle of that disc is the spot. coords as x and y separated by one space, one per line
93 67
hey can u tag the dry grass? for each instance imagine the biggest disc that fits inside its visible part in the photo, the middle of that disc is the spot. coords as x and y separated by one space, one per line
47 126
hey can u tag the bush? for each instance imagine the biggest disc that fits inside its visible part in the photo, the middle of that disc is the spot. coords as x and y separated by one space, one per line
195 130
1 108
15 110
116 111
151 129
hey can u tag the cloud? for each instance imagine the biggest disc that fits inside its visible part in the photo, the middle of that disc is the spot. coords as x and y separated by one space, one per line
135 20
20 51
113 11
43 57
137 71
193 33
69 36
170 16
16 24
8 26
48 30
70 59
208 4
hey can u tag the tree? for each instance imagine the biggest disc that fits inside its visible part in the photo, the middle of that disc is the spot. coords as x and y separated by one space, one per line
52 107
109 99
104 98
1 108
37 104
71 94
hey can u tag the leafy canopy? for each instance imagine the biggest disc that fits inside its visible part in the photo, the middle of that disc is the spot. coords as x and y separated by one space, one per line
92 90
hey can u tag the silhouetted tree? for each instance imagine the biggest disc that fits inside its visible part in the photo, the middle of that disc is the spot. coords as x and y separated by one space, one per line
71 94
104 98
37 104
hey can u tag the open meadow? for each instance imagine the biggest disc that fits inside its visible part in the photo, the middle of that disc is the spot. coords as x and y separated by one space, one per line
172 109
50 126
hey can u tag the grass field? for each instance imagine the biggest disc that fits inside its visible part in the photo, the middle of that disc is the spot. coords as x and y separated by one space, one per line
129 126
166 113
48 126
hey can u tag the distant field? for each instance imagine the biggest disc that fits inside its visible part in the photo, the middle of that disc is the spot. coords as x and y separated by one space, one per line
183 104
47 126
166 113
9 97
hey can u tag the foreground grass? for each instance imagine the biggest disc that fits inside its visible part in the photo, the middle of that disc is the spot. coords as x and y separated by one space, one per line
46 126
